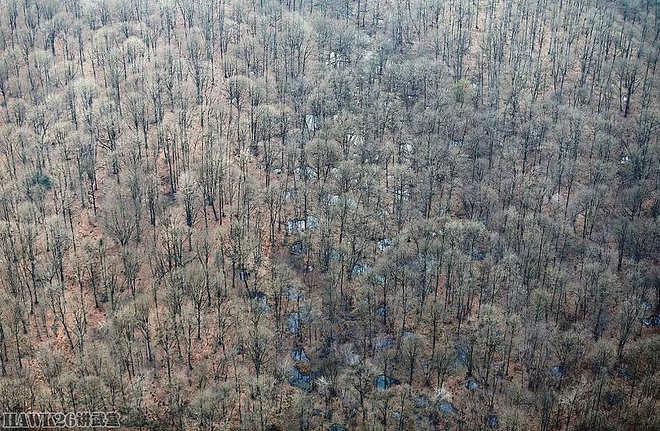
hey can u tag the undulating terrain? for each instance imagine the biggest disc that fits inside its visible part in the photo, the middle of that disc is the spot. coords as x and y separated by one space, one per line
331 214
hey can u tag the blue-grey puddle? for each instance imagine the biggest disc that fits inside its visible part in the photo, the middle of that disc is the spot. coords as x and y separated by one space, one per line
446 408
383 382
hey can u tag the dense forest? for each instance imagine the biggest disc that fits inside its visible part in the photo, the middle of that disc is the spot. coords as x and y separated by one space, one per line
331 214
